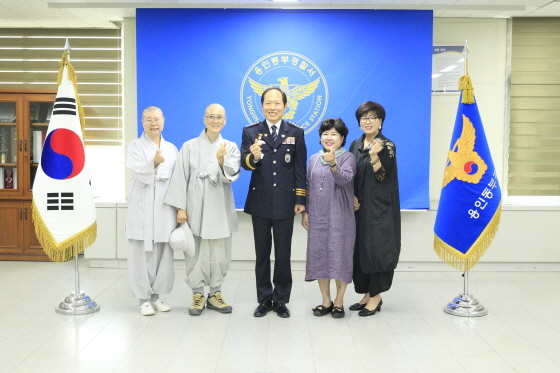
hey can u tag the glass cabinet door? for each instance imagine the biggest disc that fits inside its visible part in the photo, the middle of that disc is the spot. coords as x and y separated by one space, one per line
8 146
39 118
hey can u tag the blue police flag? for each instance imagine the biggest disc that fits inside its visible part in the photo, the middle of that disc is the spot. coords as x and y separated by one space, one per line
470 202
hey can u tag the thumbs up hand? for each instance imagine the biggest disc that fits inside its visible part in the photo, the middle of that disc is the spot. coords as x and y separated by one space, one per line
256 150
158 158
221 153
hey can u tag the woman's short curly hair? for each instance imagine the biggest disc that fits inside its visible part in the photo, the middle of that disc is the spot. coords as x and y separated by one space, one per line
337 124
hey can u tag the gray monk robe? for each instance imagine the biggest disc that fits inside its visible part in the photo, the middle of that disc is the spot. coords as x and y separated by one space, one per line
203 189
149 222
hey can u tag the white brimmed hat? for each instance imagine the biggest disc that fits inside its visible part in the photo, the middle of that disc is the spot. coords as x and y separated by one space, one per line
181 239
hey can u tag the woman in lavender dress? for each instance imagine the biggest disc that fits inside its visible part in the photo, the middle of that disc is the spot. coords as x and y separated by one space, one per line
329 216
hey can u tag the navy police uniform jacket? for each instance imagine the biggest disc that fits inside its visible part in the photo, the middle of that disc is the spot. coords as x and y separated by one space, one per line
278 179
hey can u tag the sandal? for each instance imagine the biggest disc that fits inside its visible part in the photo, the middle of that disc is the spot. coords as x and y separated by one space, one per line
338 312
321 310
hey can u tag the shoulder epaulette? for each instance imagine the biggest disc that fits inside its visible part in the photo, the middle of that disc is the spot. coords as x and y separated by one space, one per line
251 125
294 124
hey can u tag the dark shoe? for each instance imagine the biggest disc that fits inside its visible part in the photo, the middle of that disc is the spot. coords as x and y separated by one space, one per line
263 309
321 310
366 312
357 307
281 310
338 312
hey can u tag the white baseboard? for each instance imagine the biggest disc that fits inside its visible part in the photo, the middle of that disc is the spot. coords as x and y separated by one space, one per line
402 267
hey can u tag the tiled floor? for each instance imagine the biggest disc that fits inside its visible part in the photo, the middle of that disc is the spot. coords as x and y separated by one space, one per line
411 334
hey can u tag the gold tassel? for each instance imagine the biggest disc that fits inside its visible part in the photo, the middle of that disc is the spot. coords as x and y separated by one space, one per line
465 85
459 260
72 76
66 250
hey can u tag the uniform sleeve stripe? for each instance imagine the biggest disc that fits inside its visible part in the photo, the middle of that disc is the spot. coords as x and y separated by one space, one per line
248 161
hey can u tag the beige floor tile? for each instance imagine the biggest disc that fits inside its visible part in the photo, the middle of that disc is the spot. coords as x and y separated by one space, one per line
410 334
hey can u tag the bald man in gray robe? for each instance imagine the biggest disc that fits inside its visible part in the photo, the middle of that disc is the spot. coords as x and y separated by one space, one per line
200 189
149 222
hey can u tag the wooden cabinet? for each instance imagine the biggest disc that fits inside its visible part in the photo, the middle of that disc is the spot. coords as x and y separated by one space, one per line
24 118
18 240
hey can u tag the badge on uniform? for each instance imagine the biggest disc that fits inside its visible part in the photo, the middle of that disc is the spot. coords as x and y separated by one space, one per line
288 158
289 141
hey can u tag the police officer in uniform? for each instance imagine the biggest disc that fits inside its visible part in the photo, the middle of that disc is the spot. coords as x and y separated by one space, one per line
274 151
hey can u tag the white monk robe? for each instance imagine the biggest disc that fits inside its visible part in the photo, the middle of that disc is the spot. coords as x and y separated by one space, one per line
149 222
200 187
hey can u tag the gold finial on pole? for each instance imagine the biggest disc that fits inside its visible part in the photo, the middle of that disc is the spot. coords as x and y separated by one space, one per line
465 82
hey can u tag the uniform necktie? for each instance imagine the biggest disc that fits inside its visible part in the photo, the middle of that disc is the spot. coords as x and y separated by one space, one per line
274 134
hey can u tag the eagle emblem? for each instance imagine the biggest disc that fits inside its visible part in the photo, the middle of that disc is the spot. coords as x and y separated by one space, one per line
294 94
463 163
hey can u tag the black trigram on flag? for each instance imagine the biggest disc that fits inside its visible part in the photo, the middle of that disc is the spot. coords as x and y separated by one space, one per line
64 105
60 201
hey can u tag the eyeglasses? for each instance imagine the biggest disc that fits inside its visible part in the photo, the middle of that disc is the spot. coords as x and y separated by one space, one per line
368 120
212 118
150 120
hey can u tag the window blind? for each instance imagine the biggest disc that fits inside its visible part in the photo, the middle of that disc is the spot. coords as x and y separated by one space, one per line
534 139
30 59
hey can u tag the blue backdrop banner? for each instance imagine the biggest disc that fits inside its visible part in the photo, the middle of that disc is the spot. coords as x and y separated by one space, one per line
330 61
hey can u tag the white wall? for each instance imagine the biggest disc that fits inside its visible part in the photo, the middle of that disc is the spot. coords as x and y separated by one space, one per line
527 234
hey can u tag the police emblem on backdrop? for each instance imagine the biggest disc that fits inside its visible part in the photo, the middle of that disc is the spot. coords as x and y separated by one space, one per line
296 75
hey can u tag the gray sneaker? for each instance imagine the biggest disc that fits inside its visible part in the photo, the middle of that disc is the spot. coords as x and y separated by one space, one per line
197 305
216 302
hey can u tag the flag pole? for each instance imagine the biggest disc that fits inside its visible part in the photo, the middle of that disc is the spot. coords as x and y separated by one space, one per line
466 282
77 267
465 304
77 303
466 273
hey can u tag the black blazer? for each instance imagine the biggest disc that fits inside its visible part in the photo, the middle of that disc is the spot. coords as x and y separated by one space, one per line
278 180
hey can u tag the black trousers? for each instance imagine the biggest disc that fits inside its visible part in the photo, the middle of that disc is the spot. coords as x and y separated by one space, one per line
372 283
263 231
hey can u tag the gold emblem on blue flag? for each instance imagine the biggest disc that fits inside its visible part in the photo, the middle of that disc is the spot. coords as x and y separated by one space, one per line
297 76
463 162
470 202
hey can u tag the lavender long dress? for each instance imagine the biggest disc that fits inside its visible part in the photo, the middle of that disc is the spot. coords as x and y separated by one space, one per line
331 231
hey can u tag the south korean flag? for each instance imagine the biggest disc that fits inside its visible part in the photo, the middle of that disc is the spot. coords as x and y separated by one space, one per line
63 205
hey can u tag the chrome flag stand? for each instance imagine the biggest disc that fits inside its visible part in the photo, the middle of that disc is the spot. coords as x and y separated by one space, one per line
77 303
465 304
